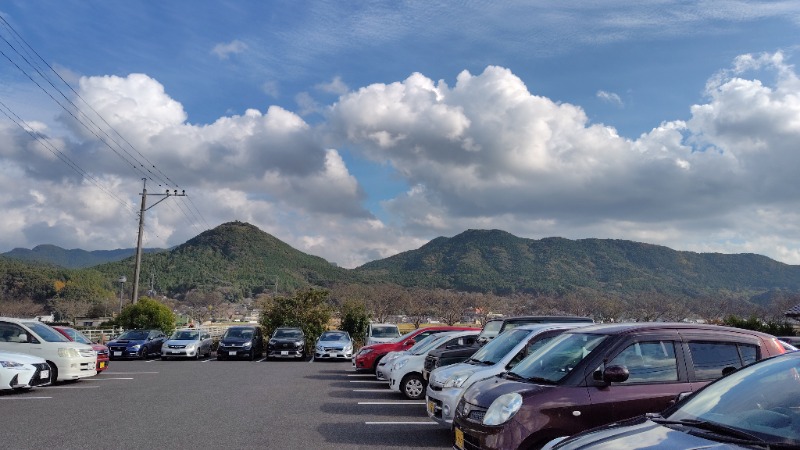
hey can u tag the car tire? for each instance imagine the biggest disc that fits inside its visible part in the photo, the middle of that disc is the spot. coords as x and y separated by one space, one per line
53 372
413 386
164 358
144 353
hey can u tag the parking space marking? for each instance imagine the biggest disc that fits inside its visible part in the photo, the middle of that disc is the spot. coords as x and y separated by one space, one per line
371 390
360 375
24 398
392 403
402 423
370 381
131 373
104 378
72 387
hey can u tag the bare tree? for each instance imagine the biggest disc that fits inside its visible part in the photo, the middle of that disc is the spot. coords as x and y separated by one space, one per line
450 305
418 306
20 308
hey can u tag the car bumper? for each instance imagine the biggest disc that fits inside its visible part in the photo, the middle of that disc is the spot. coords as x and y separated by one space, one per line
441 404
77 368
333 355
290 354
102 364
179 353
233 352
30 376
124 353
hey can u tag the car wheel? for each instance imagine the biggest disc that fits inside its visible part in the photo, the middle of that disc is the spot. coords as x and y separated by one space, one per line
164 358
144 353
413 386
53 372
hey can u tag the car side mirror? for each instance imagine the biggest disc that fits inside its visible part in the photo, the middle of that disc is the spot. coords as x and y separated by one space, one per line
616 374
22 338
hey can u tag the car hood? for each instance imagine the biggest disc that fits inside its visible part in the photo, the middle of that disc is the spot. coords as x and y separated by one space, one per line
20 358
287 340
441 374
484 392
235 340
182 341
126 342
382 340
99 348
334 344
640 434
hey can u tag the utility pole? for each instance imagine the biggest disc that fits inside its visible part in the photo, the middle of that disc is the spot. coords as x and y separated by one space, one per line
138 269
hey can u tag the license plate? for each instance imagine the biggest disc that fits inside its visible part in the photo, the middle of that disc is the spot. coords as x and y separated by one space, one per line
176 352
431 407
44 374
459 438
284 353
102 364
232 353
117 353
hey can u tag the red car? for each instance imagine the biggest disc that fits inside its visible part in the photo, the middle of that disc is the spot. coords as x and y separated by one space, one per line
75 335
366 360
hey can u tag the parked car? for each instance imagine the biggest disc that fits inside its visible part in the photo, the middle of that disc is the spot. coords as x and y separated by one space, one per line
187 343
495 326
598 374
794 340
76 336
367 358
137 344
385 364
241 341
405 375
381 332
287 342
68 360
334 345
19 371
755 407
447 384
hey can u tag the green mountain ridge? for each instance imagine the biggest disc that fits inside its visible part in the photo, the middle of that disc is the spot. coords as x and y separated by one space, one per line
74 258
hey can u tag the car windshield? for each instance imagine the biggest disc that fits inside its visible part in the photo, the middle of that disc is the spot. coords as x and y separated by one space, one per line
238 333
387 331
553 361
490 330
134 335
497 348
45 332
430 343
761 400
288 334
77 336
185 335
422 343
404 337
334 337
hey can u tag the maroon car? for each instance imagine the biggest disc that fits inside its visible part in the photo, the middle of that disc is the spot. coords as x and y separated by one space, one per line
598 374
75 335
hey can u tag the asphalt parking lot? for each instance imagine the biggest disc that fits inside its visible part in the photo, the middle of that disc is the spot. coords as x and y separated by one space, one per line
219 404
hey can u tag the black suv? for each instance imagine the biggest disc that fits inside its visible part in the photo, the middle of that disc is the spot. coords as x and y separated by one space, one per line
241 341
287 342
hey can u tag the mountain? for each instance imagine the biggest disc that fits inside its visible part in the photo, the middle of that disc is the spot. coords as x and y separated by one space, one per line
236 257
72 259
494 260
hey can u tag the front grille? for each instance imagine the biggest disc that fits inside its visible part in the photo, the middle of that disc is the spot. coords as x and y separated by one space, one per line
471 442
102 352
476 416
471 412
176 346
37 379
437 409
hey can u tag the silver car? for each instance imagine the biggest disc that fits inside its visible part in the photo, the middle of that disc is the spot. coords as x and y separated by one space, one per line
187 343
334 345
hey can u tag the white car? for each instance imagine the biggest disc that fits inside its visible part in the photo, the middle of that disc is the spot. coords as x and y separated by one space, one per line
448 383
378 333
187 343
68 360
405 375
385 364
19 371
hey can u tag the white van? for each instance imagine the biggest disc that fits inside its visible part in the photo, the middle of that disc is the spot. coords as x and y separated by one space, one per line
68 360
381 332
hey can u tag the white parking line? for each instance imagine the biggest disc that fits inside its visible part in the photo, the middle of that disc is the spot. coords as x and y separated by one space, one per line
361 375
72 387
391 403
370 381
104 379
371 390
130 373
401 423
23 398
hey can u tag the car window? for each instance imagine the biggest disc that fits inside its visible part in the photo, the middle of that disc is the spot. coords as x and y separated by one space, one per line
494 351
77 336
490 330
387 331
556 359
648 362
288 333
711 358
134 335
10 332
45 332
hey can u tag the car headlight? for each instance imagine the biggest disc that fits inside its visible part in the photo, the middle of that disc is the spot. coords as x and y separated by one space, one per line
298 344
364 351
347 348
503 409
13 365
164 346
399 364
457 379
247 344
136 346
320 348
69 352
272 342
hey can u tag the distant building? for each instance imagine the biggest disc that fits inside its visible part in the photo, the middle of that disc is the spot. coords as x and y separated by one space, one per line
47 319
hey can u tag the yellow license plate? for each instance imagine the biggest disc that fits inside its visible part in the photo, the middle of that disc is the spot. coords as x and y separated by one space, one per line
431 407
459 438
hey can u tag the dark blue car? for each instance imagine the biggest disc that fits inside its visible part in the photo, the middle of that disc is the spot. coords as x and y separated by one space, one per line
136 344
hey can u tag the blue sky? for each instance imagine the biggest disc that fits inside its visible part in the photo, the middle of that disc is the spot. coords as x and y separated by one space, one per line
357 130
